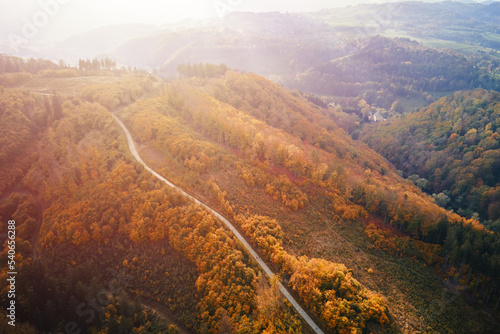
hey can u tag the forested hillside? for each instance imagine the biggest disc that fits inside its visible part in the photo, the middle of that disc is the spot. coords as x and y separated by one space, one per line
381 70
316 172
105 247
451 150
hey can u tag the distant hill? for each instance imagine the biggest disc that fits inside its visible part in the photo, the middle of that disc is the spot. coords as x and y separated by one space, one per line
339 53
331 52
271 44
459 22
102 41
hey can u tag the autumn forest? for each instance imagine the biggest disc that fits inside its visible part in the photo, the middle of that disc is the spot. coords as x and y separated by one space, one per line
372 226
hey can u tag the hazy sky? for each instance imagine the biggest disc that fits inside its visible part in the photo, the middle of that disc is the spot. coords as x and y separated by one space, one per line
61 18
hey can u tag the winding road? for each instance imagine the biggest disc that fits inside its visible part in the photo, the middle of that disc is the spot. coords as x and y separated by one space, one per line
238 235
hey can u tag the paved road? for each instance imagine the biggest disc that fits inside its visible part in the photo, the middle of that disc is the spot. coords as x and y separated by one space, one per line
238 235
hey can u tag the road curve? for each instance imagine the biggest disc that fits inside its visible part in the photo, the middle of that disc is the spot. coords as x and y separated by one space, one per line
238 235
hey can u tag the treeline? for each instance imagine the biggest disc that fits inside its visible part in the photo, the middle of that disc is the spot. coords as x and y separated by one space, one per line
15 71
202 70
96 64
10 64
